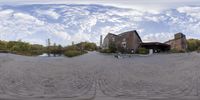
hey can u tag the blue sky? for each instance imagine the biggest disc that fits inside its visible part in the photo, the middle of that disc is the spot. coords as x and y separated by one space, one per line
65 21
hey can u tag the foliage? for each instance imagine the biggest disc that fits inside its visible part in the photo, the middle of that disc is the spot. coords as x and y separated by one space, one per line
72 47
3 45
73 53
176 51
112 48
56 49
198 50
193 44
105 51
79 49
87 46
22 48
143 51
36 49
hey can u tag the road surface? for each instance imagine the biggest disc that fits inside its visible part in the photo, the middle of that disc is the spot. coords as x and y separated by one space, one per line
96 76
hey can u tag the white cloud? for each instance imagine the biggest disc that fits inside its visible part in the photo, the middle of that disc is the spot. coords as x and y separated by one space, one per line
6 13
87 22
50 12
27 19
157 37
135 4
191 11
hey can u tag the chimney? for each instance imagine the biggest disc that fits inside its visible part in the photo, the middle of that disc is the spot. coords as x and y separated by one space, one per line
101 40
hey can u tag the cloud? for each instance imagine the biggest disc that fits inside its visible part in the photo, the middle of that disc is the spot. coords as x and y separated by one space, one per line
6 13
66 23
150 5
162 37
50 12
190 11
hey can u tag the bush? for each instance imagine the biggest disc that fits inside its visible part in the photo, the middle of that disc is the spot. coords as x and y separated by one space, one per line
3 45
193 44
112 48
105 51
198 50
143 51
73 53
87 46
176 51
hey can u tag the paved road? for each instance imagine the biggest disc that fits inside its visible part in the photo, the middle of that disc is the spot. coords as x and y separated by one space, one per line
97 76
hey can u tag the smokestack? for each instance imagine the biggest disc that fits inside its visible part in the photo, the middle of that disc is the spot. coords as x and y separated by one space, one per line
101 40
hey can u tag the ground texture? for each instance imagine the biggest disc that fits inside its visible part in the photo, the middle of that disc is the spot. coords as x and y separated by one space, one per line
96 76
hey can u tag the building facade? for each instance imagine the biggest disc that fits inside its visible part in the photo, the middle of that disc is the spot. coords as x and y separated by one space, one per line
156 47
130 41
125 42
178 43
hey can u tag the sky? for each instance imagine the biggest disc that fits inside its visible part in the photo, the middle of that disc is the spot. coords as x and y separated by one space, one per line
67 21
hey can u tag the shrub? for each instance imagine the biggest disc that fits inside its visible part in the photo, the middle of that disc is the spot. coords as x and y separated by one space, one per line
193 44
198 50
73 53
112 48
143 51
105 51
87 46
176 51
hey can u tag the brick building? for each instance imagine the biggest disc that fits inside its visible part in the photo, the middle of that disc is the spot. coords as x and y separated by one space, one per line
178 43
130 41
127 41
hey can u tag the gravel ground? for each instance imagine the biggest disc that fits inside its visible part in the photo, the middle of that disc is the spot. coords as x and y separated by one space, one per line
96 76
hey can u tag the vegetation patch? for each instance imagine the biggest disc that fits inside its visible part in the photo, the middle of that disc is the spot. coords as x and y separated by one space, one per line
105 51
176 51
193 45
79 49
111 49
143 51
21 48
26 49
73 53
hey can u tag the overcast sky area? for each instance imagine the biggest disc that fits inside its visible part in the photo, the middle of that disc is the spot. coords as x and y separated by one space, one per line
64 21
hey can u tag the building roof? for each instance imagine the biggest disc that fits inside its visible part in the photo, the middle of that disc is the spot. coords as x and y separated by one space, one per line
110 34
124 33
133 31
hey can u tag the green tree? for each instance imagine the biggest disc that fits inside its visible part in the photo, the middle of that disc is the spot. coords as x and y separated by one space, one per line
3 45
193 44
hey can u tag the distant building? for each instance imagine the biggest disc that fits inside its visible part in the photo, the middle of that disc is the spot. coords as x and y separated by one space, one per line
126 42
179 42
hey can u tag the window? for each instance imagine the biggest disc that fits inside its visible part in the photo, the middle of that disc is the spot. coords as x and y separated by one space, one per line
124 44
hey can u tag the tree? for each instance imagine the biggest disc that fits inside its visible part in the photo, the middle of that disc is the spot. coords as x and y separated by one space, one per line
193 44
3 45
